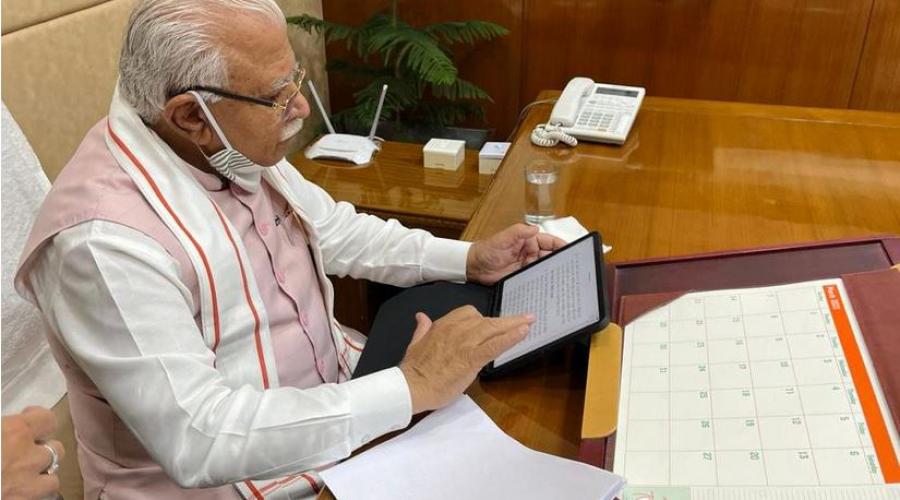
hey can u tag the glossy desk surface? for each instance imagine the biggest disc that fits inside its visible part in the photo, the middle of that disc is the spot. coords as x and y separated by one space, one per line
694 176
396 184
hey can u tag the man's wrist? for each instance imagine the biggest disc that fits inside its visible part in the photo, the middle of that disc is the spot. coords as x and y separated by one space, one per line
470 263
415 383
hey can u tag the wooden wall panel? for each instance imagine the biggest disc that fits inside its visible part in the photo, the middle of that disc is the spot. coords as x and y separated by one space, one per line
878 79
801 52
495 66
828 53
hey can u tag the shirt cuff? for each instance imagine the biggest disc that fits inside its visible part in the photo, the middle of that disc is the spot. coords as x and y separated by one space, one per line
445 260
379 403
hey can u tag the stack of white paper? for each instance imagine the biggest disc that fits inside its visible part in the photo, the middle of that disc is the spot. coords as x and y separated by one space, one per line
458 452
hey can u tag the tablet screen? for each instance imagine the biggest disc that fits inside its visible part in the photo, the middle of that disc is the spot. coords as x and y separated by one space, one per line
560 290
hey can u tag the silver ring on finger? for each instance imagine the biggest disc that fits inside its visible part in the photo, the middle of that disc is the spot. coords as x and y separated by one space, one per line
54 460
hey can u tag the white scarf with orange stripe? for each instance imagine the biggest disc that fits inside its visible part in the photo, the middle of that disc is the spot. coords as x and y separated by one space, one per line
233 316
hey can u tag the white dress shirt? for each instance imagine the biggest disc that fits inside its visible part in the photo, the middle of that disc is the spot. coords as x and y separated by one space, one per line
116 299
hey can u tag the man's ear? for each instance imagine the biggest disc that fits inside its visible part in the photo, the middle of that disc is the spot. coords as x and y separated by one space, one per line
184 116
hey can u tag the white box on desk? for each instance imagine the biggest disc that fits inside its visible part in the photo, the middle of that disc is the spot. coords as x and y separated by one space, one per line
445 154
490 156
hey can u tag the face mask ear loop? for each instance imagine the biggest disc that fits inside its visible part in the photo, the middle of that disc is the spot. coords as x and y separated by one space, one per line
211 118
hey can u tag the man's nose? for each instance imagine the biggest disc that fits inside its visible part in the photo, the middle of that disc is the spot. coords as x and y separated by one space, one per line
298 108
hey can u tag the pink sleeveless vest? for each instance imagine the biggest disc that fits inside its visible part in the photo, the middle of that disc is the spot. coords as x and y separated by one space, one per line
92 186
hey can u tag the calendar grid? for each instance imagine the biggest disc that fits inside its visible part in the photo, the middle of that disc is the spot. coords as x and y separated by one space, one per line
741 388
797 381
762 456
669 365
712 421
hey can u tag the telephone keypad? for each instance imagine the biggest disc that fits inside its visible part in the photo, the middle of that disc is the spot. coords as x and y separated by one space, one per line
596 118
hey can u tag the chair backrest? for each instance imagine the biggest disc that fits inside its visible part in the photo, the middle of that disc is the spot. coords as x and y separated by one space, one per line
59 68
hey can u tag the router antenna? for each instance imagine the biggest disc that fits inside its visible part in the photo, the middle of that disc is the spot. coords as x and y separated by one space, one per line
378 112
321 108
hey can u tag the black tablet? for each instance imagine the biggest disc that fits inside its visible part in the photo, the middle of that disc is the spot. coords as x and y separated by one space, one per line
565 290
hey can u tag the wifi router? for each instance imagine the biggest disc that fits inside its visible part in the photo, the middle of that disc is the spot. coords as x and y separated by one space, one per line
356 149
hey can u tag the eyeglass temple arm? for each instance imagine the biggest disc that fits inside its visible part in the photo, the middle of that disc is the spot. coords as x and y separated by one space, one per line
229 95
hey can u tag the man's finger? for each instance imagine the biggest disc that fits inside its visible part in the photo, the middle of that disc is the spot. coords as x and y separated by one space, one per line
523 231
532 248
41 421
39 459
57 447
550 242
44 485
501 343
423 324
512 236
507 324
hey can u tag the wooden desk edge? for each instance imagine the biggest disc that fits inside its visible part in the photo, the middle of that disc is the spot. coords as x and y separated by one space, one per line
601 398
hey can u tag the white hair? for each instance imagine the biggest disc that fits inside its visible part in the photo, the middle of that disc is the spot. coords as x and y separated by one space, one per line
171 45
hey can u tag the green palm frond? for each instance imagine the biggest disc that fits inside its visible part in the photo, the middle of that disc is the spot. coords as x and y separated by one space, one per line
469 32
415 63
460 89
378 23
402 94
405 46
330 31
354 70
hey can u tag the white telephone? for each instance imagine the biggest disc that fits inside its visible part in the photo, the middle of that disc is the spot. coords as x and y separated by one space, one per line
598 112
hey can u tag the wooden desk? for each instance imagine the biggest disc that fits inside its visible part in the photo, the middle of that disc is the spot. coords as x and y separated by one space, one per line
694 176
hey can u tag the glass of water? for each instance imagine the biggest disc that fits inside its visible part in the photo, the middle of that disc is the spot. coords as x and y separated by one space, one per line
540 190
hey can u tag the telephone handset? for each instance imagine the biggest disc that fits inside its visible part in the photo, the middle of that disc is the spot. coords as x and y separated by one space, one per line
566 108
590 111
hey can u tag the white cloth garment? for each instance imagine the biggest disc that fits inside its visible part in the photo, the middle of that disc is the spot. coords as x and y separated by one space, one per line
100 277
30 375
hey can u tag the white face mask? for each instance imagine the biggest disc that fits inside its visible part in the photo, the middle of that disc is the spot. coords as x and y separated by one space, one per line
230 162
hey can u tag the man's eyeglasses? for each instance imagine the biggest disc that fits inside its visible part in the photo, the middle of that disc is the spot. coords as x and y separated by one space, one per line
279 107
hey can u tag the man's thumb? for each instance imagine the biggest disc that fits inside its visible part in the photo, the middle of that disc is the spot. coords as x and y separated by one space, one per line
423 324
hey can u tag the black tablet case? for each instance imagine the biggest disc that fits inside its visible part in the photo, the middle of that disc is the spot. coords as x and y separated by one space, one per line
395 322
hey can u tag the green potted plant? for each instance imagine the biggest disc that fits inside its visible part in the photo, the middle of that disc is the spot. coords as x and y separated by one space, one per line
425 94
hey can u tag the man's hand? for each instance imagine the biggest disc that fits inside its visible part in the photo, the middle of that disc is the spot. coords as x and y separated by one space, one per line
511 249
25 459
439 366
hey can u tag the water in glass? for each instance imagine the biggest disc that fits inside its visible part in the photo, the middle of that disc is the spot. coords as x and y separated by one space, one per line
539 186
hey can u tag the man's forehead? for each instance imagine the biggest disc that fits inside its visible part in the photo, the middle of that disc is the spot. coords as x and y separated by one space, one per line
261 73
257 52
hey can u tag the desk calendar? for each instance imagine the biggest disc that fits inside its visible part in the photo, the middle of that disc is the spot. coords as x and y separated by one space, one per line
755 388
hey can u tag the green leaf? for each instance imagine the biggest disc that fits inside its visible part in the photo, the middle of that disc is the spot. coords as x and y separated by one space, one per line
330 31
415 50
355 70
469 32
460 89
401 94
416 64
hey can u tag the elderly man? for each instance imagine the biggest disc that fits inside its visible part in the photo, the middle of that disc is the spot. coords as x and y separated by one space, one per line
181 265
